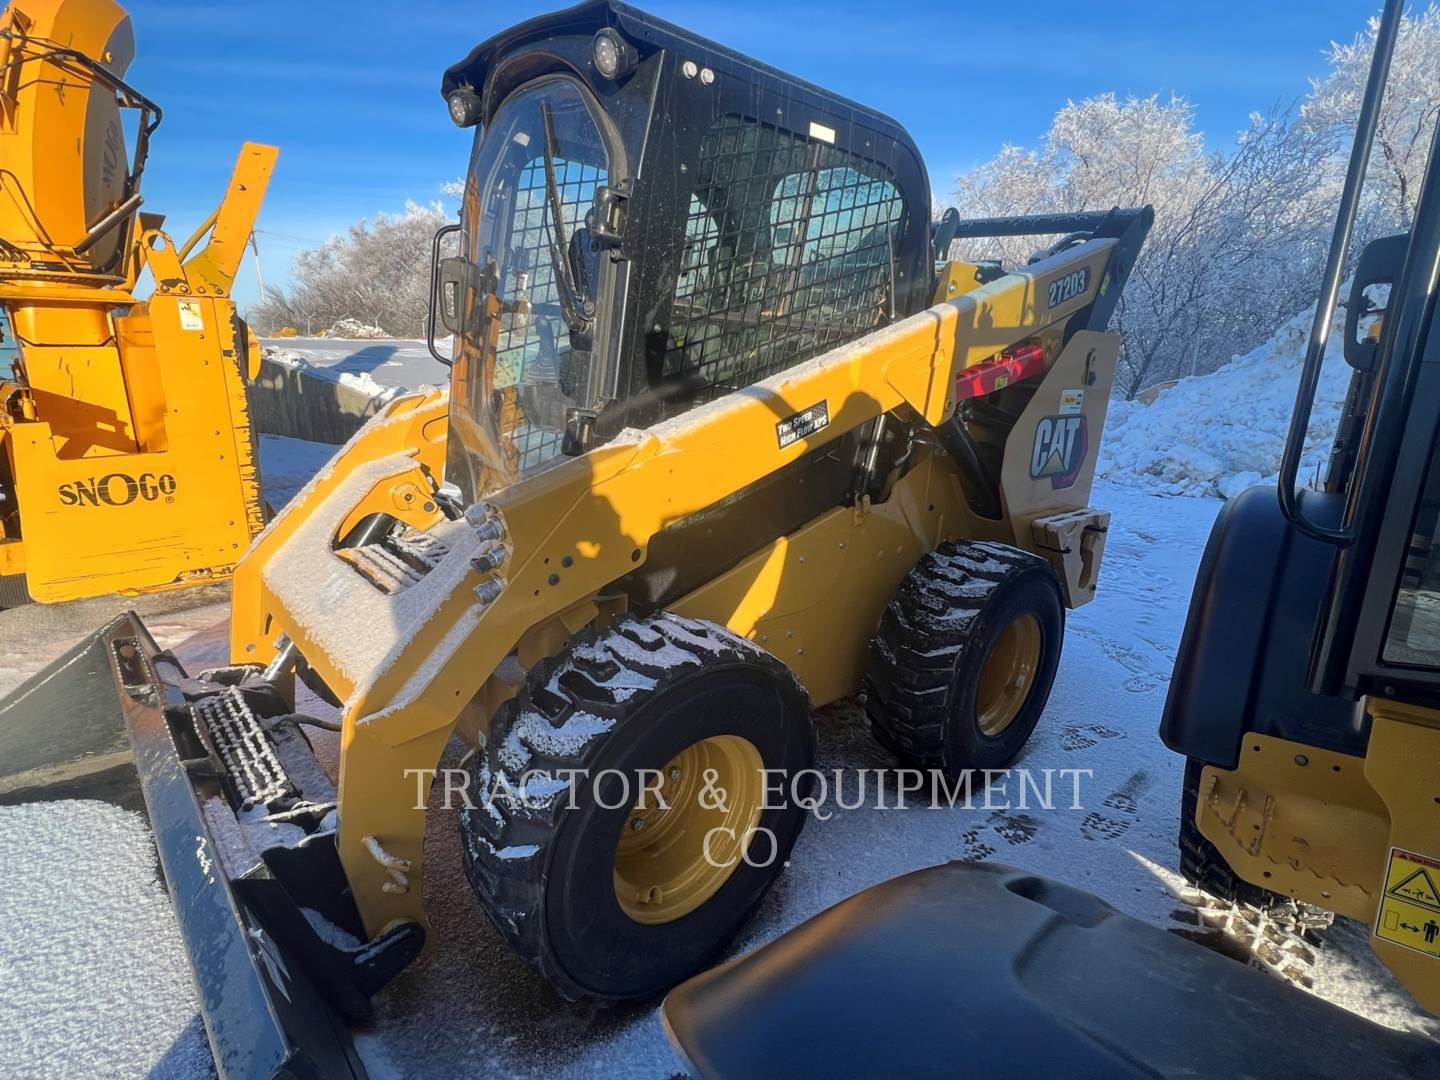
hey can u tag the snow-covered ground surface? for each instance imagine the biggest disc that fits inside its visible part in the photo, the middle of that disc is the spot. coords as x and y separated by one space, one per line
93 979
1218 434
375 366
286 465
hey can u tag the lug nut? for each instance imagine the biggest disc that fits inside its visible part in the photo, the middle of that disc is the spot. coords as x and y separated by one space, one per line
478 513
488 561
490 531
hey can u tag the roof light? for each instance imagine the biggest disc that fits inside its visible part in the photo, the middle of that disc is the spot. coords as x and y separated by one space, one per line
614 56
465 107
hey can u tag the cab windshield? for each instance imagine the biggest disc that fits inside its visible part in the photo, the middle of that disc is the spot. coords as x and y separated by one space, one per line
512 386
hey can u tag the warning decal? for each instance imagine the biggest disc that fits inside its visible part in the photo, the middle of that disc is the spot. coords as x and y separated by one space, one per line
191 317
1410 909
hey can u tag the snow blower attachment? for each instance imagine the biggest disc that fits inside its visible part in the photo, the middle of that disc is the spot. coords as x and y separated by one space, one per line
127 462
721 444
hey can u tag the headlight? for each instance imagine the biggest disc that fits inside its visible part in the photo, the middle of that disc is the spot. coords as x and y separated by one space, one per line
464 107
614 56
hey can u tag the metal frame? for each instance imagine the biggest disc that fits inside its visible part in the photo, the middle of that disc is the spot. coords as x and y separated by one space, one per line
1335 265
1384 493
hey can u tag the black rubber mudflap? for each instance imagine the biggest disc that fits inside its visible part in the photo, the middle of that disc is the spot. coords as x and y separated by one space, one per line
14 591
981 970
62 732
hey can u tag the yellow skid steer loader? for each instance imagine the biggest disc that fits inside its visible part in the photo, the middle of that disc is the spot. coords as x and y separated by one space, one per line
721 444
1306 703
127 461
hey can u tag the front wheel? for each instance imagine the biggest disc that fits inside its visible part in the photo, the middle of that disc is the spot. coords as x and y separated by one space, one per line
623 825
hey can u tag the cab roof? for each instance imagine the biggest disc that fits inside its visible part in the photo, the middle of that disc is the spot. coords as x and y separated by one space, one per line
648 34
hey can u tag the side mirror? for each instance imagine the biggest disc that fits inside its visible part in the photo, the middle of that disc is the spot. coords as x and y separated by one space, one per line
1375 275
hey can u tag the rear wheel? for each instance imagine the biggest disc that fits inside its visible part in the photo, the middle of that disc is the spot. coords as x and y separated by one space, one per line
962 665
640 837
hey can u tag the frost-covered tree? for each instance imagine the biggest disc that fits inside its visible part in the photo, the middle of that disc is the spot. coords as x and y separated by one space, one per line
1233 236
1407 120
1239 234
377 273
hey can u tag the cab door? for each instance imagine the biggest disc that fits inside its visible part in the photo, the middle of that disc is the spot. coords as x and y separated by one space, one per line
1379 625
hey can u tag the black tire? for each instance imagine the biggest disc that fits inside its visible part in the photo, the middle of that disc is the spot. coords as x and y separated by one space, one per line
923 688
1204 867
630 697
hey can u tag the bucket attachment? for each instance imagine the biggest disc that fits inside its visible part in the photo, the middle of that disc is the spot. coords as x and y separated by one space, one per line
244 822
62 734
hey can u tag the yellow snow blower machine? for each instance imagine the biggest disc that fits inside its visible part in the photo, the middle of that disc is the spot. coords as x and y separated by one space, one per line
721 444
127 462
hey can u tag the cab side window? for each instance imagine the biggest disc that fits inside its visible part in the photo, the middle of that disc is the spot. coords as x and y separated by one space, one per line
789 252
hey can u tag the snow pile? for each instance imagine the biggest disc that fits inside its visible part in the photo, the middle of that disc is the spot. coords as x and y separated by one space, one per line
1218 434
353 328
362 382
287 357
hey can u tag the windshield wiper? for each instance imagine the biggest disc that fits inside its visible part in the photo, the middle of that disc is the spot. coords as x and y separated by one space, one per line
577 311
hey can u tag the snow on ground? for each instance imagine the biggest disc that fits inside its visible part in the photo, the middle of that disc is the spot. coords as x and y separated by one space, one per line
94 930
1218 434
286 465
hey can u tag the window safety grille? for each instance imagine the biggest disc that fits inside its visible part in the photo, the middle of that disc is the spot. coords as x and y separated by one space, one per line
531 359
789 251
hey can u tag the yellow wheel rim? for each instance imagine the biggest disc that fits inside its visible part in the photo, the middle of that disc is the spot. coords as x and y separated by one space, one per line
683 838
1008 675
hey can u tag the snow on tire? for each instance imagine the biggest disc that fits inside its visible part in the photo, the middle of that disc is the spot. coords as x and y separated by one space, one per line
546 864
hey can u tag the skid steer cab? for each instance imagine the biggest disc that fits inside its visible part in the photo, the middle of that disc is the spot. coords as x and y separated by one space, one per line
722 443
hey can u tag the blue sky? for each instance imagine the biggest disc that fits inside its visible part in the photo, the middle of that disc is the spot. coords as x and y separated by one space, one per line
349 90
